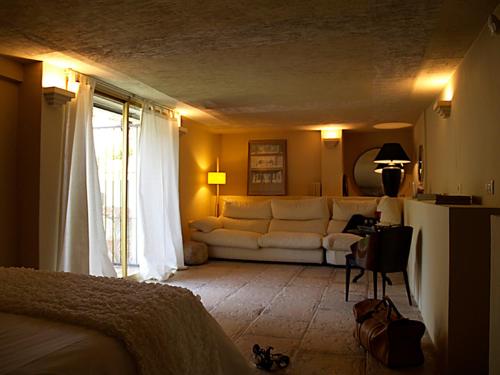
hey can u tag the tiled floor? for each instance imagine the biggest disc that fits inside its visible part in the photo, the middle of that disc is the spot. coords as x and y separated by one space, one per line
299 310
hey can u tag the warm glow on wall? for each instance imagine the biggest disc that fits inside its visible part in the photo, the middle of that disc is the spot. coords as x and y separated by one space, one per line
185 112
63 78
448 91
53 76
431 82
331 134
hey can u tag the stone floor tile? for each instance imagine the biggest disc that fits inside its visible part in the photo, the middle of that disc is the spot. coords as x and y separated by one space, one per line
267 325
316 272
314 363
299 309
309 282
275 279
297 292
341 342
333 321
255 294
246 311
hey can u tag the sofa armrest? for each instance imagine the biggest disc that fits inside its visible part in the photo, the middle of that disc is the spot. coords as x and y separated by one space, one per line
206 225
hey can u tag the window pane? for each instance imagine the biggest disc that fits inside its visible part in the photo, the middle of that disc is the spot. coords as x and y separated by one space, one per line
108 140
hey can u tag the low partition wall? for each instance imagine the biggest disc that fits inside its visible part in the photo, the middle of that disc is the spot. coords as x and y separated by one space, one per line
449 271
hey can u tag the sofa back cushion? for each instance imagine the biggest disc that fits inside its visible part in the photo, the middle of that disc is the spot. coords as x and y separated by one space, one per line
249 225
304 226
391 210
300 209
343 209
336 226
247 210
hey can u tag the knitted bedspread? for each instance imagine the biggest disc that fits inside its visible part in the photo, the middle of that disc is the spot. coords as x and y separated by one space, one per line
165 329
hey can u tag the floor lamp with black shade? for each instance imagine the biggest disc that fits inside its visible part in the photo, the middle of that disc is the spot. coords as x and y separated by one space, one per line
392 156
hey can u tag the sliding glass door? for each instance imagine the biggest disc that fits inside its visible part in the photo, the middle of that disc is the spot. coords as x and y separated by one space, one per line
116 126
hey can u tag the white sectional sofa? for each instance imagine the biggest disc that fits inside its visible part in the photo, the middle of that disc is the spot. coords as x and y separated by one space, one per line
286 229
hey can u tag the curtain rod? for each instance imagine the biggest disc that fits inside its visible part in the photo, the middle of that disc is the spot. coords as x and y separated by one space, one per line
125 95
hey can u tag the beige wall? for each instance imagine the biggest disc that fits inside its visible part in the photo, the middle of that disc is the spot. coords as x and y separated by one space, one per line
198 150
51 164
462 151
356 143
331 168
20 111
8 127
28 163
304 160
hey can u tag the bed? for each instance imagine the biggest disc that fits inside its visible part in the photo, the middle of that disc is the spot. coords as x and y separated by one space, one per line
61 323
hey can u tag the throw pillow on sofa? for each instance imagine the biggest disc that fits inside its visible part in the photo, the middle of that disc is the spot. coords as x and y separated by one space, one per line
207 224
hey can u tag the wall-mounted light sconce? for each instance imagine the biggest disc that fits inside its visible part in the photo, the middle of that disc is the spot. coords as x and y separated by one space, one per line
59 85
443 108
57 96
331 137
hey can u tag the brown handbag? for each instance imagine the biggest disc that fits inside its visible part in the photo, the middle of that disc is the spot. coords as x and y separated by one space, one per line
387 335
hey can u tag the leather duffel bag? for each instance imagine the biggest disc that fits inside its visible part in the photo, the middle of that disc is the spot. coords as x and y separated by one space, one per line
387 335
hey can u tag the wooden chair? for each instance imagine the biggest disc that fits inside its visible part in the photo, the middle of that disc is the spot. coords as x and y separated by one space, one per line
382 252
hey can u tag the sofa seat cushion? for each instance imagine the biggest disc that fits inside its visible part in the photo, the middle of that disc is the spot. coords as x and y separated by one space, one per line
340 241
300 209
291 240
303 226
247 225
228 237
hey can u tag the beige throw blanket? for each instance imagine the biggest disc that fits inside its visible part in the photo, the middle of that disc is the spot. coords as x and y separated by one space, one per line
166 329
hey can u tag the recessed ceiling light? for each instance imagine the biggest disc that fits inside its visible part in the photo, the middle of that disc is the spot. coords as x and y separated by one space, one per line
392 125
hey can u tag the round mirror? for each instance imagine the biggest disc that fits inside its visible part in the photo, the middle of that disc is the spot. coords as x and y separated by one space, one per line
367 181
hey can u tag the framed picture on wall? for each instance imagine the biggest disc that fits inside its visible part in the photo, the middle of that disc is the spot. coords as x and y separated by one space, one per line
267 173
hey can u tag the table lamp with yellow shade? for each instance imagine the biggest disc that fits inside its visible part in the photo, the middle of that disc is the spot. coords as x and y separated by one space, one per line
217 178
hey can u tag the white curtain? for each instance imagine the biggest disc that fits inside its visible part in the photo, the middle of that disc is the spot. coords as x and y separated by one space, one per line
83 243
160 236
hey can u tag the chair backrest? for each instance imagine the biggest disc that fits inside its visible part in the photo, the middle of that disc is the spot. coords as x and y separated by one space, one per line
385 251
393 249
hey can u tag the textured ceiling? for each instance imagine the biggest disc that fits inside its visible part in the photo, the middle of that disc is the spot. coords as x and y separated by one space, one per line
262 63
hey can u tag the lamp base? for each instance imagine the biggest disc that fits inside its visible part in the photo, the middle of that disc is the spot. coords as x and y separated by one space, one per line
391 180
